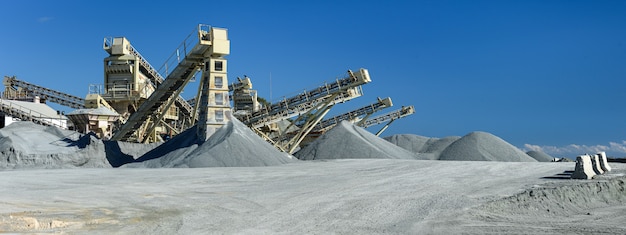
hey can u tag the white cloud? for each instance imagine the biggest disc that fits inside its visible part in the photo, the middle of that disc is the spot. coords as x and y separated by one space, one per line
44 19
616 149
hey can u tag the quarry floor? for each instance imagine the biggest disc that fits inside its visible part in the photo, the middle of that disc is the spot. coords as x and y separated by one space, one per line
360 196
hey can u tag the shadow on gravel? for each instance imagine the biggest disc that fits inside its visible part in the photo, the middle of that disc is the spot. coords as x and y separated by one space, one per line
566 175
115 155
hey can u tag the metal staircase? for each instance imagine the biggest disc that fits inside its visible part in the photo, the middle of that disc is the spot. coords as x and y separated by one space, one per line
153 75
13 86
192 51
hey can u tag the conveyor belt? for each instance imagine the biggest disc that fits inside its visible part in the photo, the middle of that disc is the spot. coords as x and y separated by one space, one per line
192 60
45 93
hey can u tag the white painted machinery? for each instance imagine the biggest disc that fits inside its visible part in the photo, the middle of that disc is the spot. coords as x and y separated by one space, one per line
204 49
308 107
354 116
388 117
15 89
140 103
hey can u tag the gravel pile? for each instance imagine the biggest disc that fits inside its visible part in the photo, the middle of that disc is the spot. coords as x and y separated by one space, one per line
29 145
233 145
476 146
483 146
346 140
540 156
425 147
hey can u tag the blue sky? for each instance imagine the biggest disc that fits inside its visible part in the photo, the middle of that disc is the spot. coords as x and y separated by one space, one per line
546 75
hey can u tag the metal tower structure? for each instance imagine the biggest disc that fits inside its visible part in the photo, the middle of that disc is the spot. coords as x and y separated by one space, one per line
214 106
202 49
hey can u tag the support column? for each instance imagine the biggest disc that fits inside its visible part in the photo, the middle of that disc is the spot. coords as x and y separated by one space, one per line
214 109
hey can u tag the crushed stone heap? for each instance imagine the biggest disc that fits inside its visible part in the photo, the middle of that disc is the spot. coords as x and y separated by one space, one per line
483 146
29 145
233 145
346 140
424 147
540 156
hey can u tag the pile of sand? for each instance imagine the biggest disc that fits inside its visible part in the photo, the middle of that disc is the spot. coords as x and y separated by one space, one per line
29 145
540 156
425 147
483 146
233 145
346 140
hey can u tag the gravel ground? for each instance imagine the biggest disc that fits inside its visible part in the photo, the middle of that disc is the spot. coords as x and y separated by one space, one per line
347 196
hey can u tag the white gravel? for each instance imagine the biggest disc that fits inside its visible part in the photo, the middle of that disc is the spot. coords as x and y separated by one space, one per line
540 156
350 196
346 140
233 145
483 146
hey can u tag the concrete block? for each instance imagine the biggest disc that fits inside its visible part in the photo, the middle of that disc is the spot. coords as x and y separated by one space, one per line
595 162
584 168
604 164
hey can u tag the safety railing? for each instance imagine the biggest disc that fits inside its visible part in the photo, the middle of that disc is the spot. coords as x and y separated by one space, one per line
26 114
185 47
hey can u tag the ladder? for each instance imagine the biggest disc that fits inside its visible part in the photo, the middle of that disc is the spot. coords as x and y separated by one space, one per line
193 49
12 84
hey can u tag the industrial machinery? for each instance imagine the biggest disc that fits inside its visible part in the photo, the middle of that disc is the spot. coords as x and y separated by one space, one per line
354 116
148 99
357 115
15 89
325 95
388 117
309 108
139 103
23 113
245 99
